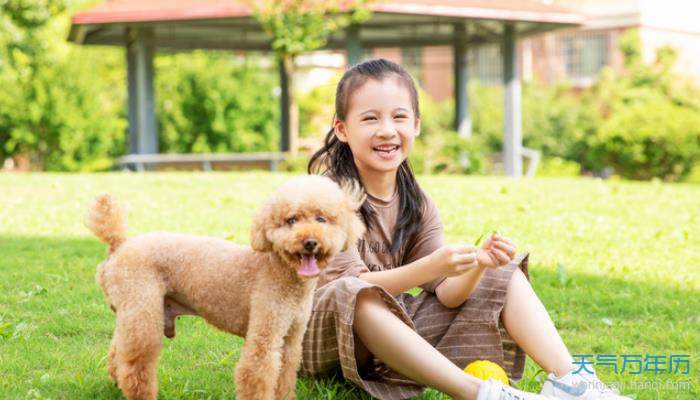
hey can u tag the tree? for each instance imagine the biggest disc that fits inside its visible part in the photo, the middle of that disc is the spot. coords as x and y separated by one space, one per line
298 26
61 107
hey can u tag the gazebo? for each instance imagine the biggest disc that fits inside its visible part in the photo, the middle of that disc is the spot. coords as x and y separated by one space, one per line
145 26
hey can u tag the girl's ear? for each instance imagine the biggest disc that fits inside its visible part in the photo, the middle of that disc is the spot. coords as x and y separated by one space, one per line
339 130
417 126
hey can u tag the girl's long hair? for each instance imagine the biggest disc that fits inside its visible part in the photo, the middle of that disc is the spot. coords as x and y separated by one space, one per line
336 161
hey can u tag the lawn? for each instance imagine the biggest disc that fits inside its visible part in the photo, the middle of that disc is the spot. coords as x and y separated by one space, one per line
616 263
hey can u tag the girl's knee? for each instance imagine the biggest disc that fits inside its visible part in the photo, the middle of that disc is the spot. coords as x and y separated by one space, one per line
368 296
518 278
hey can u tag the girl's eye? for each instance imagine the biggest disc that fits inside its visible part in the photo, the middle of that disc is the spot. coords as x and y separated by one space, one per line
368 118
291 221
320 219
400 116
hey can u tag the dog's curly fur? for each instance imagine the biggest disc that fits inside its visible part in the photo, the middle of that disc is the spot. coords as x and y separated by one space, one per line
257 292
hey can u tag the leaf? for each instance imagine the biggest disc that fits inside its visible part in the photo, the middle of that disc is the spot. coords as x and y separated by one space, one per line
478 240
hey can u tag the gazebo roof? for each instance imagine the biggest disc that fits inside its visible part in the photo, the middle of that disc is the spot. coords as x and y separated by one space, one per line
229 24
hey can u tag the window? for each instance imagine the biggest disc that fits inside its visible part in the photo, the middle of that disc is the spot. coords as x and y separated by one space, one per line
582 54
412 60
485 64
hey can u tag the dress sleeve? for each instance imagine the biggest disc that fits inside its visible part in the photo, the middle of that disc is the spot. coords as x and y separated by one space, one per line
428 239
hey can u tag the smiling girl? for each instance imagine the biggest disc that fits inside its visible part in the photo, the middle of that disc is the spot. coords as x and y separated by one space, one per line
476 303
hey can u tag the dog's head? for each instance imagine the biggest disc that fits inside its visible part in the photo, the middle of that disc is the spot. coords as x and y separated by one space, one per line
308 221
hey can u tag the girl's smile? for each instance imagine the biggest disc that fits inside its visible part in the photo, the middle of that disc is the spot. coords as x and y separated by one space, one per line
387 152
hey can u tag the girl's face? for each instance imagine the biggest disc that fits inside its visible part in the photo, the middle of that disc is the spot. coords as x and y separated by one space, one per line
380 125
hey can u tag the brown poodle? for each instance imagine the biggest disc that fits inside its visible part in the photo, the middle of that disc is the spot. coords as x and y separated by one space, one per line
263 293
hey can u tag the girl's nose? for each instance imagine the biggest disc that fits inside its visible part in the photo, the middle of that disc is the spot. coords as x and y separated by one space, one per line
387 130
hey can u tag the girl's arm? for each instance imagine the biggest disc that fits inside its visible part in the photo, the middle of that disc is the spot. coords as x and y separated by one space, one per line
399 280
451 292
447 261
455 290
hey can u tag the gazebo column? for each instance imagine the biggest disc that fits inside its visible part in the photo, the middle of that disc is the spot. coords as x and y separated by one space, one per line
284 106
462 118
289 111
353 44
140 49
512 140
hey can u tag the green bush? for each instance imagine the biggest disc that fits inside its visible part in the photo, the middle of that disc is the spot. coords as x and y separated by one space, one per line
316 109
650 118
445 152
650 139
207 103
486 107
553 119
641 122
61 107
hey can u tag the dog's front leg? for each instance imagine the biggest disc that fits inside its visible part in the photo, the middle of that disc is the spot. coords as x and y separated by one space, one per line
291 359
259 366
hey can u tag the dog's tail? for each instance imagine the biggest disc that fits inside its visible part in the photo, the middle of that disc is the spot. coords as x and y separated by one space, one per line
107 220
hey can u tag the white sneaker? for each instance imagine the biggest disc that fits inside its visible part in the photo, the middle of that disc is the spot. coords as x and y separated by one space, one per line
495 390
580 386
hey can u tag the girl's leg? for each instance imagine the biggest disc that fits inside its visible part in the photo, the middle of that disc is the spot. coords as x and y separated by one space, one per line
405 351
530 326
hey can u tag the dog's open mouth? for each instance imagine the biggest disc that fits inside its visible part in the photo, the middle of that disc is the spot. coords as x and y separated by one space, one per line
308 265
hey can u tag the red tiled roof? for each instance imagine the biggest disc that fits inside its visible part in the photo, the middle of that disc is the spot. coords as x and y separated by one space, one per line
113 11
516 10
126 11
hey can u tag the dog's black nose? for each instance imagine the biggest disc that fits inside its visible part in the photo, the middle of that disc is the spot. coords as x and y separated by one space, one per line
310 244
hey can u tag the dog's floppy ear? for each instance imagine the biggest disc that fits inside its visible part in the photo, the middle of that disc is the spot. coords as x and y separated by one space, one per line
354 198
259 227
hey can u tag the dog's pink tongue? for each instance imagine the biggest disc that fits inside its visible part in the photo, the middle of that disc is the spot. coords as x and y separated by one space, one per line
308 266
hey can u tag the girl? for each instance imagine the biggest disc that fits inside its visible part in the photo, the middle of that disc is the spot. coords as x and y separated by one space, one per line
476 303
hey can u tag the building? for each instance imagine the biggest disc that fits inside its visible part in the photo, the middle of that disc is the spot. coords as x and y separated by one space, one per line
574 55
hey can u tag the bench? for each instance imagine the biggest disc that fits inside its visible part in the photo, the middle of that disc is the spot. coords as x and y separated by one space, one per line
205 162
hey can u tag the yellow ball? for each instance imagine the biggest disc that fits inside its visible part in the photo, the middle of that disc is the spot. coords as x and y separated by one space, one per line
484 369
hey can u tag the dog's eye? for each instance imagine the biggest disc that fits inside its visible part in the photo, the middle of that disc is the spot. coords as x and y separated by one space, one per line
320 219
292 220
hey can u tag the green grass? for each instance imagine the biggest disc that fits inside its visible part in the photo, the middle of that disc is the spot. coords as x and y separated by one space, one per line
616 264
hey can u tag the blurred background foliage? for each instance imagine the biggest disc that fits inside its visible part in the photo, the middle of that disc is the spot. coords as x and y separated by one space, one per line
63 108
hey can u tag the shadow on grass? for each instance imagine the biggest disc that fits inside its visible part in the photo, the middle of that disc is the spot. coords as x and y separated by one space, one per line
48 284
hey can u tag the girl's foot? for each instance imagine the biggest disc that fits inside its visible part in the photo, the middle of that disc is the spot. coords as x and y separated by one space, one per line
579 386
495 390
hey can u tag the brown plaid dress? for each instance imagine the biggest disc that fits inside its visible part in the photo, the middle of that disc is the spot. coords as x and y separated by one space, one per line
464 334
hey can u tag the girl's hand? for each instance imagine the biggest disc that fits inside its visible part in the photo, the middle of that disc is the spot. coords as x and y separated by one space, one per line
495 252
454 259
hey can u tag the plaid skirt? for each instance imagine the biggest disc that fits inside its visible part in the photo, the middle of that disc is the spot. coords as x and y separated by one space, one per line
464 334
